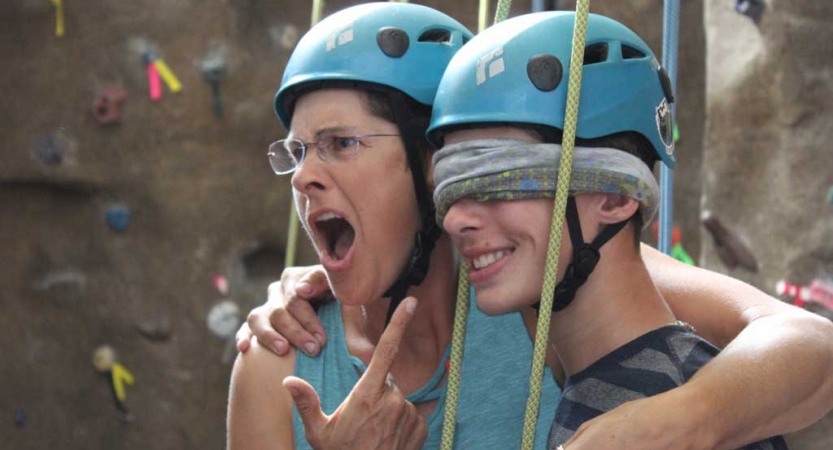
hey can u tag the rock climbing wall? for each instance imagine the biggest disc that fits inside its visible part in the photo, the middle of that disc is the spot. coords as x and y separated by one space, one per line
767 168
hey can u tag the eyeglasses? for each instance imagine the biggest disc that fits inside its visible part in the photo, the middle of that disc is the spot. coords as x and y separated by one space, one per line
287 155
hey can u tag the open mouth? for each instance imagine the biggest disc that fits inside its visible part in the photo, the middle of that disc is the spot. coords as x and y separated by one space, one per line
337 235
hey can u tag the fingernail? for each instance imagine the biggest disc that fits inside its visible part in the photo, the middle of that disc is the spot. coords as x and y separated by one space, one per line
303 287
411 306
280 346
310 347
319 338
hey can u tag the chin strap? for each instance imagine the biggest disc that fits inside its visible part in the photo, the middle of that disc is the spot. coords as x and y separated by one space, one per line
417 268
585 257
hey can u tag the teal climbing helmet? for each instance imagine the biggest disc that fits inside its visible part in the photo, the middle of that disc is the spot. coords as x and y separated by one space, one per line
517 70
396 45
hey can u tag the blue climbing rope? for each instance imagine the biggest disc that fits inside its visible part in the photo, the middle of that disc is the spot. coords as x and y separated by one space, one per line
670 44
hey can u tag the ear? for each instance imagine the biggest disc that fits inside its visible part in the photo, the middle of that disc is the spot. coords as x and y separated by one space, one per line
614 208
429 169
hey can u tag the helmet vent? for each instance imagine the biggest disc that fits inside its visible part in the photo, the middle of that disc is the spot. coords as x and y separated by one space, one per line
629 52
595 53
392 41
436 35
544 71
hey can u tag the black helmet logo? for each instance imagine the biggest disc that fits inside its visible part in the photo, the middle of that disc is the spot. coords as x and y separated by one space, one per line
665 125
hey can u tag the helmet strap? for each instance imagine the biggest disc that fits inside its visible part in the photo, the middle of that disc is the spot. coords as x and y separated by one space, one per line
417 268
585 257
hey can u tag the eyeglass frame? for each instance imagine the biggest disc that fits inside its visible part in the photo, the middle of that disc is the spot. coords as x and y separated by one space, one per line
323 152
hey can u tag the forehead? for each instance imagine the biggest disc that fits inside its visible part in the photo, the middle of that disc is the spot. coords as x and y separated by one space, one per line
347 109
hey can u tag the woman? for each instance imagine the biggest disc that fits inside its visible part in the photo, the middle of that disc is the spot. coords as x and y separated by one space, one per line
356 98
720 312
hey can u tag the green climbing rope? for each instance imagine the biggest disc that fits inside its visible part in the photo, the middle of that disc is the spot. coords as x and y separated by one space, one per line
554 249
482 15
317 12
462 309
502 10
457 338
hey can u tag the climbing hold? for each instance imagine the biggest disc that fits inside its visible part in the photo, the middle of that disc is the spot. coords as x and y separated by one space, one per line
121 376
118 218
223 319
49 150
221 283
213 70
107 105
167 75
731 250
753 9
154 84
830 196
158 329
20 418
103 358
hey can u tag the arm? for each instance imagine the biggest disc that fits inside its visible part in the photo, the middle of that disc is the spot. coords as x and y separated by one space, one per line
260 408
772 377
775 374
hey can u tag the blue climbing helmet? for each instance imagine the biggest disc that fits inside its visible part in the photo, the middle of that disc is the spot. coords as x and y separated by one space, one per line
400 50
396 45
517 70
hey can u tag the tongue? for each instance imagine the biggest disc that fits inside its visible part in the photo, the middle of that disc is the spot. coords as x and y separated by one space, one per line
343 243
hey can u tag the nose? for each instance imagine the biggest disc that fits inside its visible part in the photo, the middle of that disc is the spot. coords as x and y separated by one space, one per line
311 175
463 217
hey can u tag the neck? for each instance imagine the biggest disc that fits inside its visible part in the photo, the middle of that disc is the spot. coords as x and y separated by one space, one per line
430 328
618 303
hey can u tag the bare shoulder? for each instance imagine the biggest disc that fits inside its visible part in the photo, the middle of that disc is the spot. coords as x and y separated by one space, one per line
260 408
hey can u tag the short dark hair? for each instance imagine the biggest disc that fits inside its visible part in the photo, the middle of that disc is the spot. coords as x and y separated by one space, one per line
629 142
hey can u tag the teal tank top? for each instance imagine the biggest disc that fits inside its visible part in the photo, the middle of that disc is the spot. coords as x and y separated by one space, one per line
494 382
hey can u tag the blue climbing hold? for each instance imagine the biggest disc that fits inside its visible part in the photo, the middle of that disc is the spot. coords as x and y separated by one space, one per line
49 151
20 418
830 196
118 218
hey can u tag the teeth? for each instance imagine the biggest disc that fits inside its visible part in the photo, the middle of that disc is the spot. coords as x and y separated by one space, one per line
327 216
483 261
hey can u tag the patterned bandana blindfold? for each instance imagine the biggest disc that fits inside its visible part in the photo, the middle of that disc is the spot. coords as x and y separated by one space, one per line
508 169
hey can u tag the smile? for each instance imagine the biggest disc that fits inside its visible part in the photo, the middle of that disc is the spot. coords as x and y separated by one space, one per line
486 260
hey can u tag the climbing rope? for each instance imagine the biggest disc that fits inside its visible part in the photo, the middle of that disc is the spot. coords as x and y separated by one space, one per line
502 10
482 15
670 44
317 12
462 309
554 249
458 335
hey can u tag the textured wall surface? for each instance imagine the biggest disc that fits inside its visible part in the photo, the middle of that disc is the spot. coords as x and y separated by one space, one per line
767 159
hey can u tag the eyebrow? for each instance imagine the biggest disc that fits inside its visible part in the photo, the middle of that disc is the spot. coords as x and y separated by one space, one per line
327 130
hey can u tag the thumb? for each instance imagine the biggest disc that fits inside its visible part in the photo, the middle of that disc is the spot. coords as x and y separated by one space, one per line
307 403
